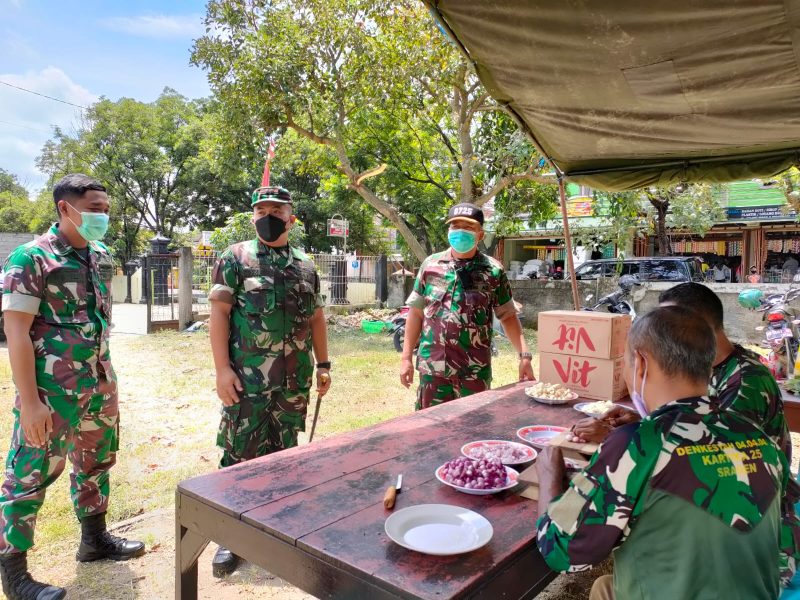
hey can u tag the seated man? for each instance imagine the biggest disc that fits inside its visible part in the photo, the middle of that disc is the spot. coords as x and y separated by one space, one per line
689 485
739 379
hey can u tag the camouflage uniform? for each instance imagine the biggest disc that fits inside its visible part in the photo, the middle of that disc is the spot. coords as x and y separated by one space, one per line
274 293
457 298
49 279
690 485
743 384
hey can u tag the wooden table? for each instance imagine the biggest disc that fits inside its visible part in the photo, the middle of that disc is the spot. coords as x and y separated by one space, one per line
313 515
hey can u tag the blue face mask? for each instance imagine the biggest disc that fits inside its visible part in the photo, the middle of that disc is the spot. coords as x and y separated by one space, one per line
93 225
638 397
462 240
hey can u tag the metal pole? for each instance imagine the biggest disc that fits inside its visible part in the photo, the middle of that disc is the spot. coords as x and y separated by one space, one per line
568 243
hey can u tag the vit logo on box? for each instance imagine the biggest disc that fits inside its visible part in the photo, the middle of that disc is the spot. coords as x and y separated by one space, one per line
583 333
595 378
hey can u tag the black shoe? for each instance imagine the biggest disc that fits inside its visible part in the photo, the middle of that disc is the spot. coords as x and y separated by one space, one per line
97 543
18 583
224 563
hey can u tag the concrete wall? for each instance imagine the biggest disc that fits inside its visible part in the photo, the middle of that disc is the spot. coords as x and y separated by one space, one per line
537 296
119 287
9 241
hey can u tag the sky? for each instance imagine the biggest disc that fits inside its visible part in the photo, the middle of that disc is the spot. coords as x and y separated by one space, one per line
78 51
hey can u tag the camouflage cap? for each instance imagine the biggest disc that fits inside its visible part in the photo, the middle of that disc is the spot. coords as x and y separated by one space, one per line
271 194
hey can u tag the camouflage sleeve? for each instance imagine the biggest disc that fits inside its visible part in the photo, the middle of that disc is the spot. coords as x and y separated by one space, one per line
416 299
23 282
790 527
504 304
583 525
225 279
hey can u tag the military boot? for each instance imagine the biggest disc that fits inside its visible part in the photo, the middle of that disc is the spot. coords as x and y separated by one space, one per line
224 562
97 543
18 583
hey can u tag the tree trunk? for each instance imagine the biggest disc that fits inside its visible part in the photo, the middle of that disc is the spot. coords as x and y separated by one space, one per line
661 229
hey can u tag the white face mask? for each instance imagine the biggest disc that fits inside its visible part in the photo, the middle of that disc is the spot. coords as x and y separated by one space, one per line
638 397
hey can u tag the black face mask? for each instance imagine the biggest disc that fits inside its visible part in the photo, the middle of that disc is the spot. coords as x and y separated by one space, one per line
270 228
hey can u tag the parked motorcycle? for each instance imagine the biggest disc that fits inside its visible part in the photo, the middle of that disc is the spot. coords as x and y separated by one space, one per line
619 301
781 333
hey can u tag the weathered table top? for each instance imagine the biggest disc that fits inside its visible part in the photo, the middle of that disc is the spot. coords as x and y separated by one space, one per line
326 498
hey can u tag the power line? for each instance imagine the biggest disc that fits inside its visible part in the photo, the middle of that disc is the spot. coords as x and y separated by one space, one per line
23 126
11 85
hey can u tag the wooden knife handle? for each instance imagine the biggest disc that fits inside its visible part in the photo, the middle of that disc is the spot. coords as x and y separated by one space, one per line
389 497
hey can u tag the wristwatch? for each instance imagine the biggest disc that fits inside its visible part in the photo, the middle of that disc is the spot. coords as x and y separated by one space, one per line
527 355
324 365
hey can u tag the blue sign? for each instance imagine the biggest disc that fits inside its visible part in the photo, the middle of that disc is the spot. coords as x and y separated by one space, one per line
761 213
354 264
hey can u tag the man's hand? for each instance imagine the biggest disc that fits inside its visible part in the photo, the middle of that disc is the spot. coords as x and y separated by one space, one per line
323 381
36 422
619 416
590 430
107 387
526 370
406 372
227 386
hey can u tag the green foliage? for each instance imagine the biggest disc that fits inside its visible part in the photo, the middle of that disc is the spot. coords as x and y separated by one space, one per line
20 214
239 228
367 83
150 157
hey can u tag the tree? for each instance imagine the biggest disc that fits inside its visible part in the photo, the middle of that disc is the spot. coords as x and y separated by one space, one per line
685 206
149 157
20 214
371 83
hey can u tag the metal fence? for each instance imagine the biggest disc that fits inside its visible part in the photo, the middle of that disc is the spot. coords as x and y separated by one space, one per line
202 266
348 280
160 287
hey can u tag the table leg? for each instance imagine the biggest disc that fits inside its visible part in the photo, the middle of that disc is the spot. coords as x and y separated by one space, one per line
188 548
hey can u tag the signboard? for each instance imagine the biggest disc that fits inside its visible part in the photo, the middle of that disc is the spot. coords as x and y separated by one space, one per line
580 206
338 228
761 213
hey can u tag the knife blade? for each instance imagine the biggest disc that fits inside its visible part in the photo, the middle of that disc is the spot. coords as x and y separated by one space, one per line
399 485
391 493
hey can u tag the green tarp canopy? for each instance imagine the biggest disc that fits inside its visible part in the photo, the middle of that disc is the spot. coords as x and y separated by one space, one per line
624 94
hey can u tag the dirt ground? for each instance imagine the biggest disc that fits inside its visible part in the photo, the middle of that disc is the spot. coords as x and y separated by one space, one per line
170 414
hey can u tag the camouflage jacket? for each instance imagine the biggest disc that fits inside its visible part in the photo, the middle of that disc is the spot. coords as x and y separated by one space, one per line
745 385
458 298
690 485
274 293
70 332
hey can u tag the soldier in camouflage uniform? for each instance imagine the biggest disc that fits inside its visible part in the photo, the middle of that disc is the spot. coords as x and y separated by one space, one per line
455 295
688 500
57 308
266 316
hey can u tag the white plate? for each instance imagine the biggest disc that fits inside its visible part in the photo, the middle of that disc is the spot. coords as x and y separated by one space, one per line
530 453
539 435
572 396
438 529
512 475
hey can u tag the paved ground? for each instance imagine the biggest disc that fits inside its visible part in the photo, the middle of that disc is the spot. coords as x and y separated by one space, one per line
129 319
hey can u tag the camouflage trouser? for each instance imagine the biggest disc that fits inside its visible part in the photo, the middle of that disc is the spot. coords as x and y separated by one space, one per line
85 429
261 425
434 390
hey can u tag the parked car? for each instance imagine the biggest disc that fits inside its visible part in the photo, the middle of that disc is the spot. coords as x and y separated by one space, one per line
651 268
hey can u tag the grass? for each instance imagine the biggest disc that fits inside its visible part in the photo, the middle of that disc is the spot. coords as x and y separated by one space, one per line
169 418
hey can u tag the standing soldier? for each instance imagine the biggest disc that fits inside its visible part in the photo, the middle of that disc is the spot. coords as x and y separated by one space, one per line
57 306
266 315
454 297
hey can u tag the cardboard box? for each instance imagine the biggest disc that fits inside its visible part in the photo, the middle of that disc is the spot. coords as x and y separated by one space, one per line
583 333
594 378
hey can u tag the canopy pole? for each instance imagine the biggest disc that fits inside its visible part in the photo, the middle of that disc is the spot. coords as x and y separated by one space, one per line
568 243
